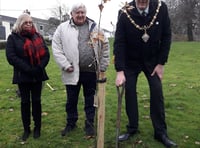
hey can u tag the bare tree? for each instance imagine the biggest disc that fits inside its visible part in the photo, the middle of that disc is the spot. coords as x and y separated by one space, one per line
185 17
61 13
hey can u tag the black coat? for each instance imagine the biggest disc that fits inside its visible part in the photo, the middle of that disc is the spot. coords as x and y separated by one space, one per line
24 72
129 48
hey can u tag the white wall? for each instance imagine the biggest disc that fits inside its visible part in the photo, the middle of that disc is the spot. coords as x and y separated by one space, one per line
7 26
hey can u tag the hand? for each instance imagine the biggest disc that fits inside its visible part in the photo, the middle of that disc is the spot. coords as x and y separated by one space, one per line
102 75
70 69
159 70
120 78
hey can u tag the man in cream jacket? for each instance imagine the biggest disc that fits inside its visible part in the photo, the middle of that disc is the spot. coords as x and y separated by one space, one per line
81 51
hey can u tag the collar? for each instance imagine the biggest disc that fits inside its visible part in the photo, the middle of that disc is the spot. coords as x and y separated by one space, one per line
145 10
71 22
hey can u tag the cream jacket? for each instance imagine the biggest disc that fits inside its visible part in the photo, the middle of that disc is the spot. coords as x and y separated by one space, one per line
66 53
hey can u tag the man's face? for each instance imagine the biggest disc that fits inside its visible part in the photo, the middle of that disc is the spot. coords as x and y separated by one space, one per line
142 4
79 16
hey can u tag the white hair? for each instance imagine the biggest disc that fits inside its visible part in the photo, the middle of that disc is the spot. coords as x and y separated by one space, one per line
76 6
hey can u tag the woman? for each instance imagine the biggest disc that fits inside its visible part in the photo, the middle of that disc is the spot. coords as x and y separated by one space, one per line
27 52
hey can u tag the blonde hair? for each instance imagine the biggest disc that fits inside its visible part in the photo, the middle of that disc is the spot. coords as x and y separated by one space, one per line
17 28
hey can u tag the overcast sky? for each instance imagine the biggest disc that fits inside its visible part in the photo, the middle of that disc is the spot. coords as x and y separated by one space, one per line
42 9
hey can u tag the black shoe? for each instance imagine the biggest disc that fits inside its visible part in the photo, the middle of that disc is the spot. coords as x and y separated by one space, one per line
126 136
89 129
26 135
165 141
36 133
67 129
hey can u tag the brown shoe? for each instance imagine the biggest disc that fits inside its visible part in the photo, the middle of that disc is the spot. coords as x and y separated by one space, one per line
89 130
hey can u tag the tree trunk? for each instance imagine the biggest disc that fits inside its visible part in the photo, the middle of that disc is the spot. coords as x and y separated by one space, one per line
190 31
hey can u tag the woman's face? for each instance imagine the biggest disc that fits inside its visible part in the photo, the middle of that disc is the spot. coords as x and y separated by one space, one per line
79 16
27 24
142 4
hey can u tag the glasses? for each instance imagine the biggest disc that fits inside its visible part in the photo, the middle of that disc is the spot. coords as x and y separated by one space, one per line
28 22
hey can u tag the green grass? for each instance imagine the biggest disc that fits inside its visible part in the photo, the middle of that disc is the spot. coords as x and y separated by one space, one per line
181 85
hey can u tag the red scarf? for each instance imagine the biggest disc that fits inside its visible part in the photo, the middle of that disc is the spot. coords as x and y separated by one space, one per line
33 46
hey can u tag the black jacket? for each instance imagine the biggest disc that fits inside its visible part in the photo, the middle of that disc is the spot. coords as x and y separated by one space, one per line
23 70
129 48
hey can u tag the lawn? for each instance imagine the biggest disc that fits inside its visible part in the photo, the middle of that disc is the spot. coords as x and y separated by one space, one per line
181 85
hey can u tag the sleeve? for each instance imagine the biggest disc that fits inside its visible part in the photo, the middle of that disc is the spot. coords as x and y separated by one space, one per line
45 59
57 50
12 57
105 57
119 43
166 36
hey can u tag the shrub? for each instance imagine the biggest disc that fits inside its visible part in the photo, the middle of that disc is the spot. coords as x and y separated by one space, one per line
2 44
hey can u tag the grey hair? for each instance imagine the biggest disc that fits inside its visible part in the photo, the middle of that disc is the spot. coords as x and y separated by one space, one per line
17 28
75 7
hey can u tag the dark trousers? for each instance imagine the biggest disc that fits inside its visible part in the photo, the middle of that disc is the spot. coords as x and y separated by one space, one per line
157 111
88 82
31 94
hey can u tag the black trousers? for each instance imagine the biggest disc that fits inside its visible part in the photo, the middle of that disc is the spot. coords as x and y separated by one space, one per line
157 112
88 82
31 94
